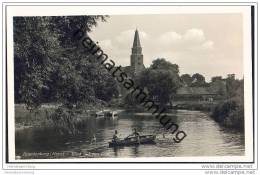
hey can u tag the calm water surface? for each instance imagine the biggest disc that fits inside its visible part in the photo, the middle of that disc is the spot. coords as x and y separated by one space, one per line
204 137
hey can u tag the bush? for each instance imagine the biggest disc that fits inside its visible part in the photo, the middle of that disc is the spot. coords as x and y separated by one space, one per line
229 113
67 121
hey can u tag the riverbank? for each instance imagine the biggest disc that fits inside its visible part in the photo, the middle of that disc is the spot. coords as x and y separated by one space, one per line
49 116
229 114
195 105
29 119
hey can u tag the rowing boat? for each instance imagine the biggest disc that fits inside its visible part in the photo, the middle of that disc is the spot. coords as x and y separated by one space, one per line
143 139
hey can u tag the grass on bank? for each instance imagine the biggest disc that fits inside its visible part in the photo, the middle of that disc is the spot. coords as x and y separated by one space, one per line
62 119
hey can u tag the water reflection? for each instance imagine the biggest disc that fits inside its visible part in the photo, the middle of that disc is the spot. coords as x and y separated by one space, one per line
205 137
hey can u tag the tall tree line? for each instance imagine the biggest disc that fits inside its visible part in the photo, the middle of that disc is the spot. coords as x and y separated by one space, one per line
50 65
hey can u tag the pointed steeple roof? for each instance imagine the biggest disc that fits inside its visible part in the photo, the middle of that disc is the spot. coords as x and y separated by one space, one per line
136 40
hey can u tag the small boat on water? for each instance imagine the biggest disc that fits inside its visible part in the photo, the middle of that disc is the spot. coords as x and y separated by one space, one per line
100 114
111 114
143 139
106 114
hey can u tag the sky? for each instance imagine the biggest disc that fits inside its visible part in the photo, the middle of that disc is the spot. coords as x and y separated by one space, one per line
209 44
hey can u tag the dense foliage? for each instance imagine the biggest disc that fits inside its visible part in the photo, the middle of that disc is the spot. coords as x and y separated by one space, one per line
161 80
196 80
186 79
231 112
51 66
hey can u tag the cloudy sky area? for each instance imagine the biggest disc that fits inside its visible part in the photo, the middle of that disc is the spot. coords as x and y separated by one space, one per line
209 44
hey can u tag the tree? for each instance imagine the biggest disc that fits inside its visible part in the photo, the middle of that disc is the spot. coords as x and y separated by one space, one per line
218 85
232 85
198 80
33 50
231 111
50 66
186 79
161 63
161 80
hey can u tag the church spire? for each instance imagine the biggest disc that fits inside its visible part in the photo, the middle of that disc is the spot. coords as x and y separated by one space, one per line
136 40
136 57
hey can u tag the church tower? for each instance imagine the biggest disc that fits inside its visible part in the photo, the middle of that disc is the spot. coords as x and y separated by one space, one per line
136 57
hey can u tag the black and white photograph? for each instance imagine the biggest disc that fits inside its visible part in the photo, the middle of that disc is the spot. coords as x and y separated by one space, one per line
130 84
159 91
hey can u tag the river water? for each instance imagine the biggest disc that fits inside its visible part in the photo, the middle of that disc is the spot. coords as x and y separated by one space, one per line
205 137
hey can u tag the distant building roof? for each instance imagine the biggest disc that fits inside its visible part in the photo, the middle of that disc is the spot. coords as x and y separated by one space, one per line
195 91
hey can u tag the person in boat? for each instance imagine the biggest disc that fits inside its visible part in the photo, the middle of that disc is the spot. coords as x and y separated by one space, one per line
115 137
135 134
93 140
